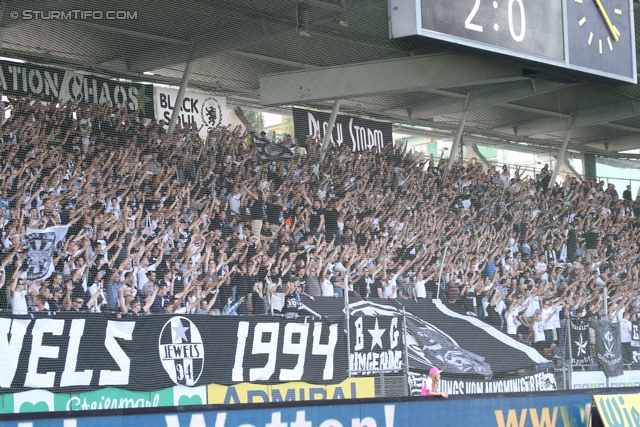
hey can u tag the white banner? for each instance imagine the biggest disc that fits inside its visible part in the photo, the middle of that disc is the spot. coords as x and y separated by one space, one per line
207 111
40 253
597 379
537 382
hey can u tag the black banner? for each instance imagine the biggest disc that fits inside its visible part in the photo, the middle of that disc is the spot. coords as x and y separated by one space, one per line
439 337
77 353
377 344
635 344
55 84
608 347
635 334
580 352
359 134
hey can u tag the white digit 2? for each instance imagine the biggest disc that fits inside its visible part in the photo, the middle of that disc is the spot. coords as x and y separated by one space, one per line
467 23
517 37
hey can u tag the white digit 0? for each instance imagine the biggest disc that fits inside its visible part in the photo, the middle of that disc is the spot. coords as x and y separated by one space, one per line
288 347
467 23
517 37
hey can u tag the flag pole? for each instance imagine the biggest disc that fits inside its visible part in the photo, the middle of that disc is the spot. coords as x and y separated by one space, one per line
568 338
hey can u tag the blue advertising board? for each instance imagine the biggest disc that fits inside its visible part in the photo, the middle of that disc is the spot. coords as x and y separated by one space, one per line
562 409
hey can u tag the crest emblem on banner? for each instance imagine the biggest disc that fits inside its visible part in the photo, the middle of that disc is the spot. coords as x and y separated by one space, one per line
211 113
609 344
40 254
181 351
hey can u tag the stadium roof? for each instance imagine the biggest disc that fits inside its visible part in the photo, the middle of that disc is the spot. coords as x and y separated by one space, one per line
244 48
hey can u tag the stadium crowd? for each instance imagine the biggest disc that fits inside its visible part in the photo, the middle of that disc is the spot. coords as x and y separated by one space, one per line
162 223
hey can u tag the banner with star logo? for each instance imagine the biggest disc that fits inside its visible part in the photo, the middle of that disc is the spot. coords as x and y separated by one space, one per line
65 85
377 344
580 348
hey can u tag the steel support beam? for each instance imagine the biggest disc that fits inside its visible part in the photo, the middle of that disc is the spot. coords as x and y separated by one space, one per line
622 164
332 123
378 77
322 4
272 60
244 26
573 171
130 33
623 143
433 134
67 63
180 96
580 119
484 160
3 6
485 97
560 160
456 140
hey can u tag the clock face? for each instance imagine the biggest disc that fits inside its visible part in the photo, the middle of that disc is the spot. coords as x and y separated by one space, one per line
600 35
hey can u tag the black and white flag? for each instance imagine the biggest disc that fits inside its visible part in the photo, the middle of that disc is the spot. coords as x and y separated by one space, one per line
42 244
635 344
580 353
635 334
608 347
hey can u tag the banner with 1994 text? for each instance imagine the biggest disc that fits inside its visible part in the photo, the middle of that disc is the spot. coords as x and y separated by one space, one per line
89 352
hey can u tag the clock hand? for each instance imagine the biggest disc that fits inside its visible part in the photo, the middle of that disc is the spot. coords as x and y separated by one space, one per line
614 33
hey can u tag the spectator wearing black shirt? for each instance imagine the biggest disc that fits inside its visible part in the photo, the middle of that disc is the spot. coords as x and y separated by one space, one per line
274 212
592 240
332 230
55 302
257 209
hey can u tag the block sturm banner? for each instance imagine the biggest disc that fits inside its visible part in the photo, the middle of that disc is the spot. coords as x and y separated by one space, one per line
206 111
68 353
359 134
63 85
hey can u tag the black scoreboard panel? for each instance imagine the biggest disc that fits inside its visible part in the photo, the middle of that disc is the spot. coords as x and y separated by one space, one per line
579 39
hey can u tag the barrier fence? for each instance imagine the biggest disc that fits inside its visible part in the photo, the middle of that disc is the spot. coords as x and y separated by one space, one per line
547 409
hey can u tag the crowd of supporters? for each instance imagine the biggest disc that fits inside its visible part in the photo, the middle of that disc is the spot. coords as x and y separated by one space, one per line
176 223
